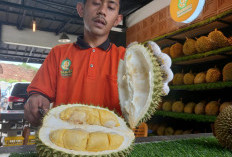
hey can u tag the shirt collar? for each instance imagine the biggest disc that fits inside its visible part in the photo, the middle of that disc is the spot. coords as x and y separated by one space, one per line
83 45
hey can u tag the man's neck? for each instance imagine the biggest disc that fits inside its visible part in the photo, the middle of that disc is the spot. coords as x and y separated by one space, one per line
94 41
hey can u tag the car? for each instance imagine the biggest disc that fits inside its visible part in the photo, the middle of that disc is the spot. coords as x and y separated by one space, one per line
16 96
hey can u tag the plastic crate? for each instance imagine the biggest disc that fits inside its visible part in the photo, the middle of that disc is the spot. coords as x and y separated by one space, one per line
13 141
31 140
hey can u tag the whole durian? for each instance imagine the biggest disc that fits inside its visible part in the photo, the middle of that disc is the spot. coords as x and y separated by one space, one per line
83 130
178 79
223 128
176 50
178 106
166 50
213 75
167 106
189 78
200 108
203 44
189 47
224 105
189 107
168 131
212 108
218 39
200 78
227 72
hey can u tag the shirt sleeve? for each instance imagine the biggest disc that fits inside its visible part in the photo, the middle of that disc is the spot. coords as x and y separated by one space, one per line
45 79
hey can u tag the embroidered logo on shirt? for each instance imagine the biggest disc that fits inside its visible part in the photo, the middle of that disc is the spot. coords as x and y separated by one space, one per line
65 66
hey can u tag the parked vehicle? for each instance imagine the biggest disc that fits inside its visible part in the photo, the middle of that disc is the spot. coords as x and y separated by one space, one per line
16 96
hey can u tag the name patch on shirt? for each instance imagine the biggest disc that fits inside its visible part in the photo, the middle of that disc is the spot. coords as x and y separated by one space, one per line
66 70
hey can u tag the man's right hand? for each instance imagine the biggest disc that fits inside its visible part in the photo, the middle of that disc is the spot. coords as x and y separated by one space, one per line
32 106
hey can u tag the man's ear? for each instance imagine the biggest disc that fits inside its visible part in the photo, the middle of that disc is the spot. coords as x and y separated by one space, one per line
80 9
118 20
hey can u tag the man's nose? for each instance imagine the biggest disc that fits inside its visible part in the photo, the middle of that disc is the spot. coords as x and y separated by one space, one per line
102 9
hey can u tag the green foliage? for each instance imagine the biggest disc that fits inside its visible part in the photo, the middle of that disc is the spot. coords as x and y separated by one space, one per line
202 86
12 80
198 147
187 116
26 66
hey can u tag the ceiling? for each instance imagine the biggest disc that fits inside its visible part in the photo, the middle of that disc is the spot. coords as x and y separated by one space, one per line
54 16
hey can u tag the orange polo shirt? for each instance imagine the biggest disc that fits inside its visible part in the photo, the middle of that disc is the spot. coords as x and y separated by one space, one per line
77 73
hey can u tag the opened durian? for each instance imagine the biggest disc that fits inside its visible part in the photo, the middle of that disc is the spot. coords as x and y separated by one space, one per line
223 128
84 130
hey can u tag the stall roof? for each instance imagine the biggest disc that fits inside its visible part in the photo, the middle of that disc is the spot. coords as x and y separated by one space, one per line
55 16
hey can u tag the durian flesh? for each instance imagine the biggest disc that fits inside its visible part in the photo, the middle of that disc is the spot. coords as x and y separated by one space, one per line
139 84
60 136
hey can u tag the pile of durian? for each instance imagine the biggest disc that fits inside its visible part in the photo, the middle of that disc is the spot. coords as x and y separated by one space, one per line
168 130
83 130
212 108
211 75
215 39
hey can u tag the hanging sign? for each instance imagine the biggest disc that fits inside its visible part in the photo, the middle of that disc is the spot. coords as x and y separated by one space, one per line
186 10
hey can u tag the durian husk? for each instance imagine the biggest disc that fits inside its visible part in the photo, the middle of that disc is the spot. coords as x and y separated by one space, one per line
178 106
227 72
223 128
200 78
143 112
203 44
176 50
166 50
213 75
189 78
218 39
178 79
212 108
189 47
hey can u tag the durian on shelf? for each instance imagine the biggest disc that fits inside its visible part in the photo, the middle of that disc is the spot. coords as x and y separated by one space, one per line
88 130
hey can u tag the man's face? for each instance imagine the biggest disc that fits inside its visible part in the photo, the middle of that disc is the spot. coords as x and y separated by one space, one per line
100 16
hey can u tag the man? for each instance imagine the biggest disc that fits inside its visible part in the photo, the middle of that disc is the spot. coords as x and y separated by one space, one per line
82 72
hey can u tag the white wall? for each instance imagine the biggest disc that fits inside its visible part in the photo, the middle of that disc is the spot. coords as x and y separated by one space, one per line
146 11
10 34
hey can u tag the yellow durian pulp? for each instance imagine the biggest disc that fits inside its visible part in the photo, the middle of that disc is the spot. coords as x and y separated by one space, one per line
91 116
81 140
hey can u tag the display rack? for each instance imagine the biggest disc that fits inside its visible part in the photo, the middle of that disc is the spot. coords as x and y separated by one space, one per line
223 22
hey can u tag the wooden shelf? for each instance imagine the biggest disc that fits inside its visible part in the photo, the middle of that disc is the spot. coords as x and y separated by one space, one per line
202 86
220 21
217 54
186 116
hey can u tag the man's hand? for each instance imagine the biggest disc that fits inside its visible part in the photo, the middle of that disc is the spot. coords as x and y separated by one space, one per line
32 106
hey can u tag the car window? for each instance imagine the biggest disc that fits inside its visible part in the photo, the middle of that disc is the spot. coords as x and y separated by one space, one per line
20 89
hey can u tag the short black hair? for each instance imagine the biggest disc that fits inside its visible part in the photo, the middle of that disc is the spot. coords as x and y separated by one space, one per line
120 5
